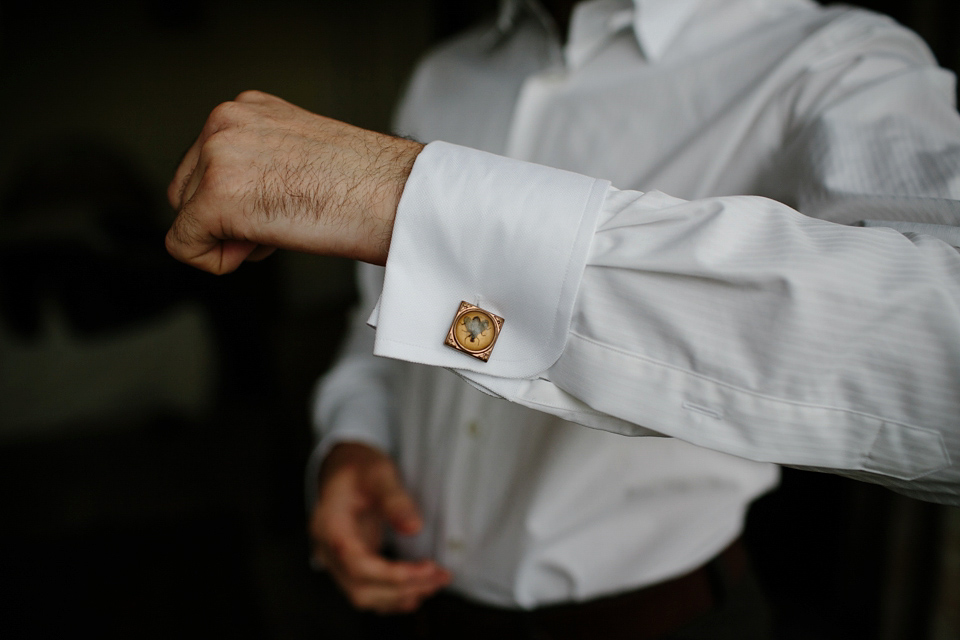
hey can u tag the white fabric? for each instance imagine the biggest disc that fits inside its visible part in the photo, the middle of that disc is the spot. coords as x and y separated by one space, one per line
524 196
731 323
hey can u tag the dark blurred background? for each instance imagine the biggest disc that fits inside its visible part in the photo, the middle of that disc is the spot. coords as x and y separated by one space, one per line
153 420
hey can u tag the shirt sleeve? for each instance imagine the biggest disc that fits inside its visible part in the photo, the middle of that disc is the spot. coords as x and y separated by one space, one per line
828 339
734 323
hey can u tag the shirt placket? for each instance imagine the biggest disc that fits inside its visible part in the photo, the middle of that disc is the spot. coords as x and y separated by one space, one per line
462 485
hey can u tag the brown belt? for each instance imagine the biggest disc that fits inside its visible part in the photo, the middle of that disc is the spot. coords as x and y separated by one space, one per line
642 614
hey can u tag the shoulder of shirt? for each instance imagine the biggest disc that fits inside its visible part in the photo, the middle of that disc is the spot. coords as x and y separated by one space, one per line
842 31
833 29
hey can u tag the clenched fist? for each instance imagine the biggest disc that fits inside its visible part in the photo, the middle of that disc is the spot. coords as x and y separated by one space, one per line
265 174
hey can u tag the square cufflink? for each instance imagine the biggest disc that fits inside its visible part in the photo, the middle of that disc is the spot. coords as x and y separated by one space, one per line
474 331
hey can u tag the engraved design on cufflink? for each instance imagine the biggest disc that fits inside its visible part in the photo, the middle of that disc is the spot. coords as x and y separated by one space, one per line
474 331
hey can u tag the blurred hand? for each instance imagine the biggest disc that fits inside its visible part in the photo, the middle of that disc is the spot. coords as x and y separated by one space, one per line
265 174
360 493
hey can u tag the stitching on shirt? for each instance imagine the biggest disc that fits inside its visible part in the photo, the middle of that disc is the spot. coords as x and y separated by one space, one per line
727 385
557 319
588 410
705 411
872 464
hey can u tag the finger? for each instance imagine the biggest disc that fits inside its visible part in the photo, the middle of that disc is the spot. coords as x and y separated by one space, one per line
360 566
260 253
188 241
387 600
377 569
185 169
427 577
371 588
191 239
186 238
222 117
396 505
192 181
407 599
410 603
233 253
401 512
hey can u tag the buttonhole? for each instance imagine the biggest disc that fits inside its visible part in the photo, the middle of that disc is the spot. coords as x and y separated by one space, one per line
706 411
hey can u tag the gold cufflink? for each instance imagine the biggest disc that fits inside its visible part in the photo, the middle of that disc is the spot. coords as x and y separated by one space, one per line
474 331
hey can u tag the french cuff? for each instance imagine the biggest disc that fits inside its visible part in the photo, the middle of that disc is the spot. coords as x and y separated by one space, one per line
510 237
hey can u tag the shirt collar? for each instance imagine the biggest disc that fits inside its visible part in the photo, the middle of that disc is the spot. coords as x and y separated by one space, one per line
655 22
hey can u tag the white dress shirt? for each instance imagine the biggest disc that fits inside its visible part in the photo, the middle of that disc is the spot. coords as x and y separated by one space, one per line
745 332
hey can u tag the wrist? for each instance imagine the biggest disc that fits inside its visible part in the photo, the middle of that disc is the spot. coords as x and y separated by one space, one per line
392 168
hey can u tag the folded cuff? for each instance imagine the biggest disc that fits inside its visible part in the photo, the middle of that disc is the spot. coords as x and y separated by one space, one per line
509 236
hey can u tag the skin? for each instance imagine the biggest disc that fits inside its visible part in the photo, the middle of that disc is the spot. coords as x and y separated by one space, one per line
265 174
361 493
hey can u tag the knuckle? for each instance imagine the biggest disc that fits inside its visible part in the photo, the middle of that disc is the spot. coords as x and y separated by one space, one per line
221 113
250 95
224 115
212 175
218 182
214 146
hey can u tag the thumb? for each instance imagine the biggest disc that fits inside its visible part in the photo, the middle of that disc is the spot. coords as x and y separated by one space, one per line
189 242
398 507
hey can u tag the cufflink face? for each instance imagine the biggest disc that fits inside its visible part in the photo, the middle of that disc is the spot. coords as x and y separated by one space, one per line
474 331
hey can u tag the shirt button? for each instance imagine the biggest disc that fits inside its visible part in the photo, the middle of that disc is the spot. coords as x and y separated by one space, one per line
455 545
473 428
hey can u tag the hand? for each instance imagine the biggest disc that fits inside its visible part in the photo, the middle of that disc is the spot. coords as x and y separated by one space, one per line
265 174
360 491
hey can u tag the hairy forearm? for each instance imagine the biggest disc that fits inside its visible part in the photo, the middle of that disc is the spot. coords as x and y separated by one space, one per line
265 174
